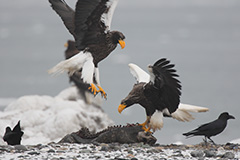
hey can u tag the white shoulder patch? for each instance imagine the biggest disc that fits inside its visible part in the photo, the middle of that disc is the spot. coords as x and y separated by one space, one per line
139 74
107 17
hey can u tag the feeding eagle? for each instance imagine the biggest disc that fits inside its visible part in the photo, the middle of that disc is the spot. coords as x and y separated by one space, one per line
159 93
90 26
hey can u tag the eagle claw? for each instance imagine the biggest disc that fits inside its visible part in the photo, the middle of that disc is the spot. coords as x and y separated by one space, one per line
103 93
93 89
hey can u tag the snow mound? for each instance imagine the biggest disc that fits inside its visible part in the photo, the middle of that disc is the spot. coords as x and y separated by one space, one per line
45 118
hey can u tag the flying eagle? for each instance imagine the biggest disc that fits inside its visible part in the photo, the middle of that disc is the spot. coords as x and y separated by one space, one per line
159 93
90 26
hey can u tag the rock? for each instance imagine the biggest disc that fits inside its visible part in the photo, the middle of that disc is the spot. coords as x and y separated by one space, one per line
197 153
209 153
20 147
33 153
229 155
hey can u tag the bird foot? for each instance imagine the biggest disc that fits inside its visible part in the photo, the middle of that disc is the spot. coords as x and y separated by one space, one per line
103 93
145 128
93 89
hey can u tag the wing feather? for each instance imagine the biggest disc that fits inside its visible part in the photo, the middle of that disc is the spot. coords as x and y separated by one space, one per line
65 12
139 74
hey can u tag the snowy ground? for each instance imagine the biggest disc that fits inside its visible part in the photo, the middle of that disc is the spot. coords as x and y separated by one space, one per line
45 119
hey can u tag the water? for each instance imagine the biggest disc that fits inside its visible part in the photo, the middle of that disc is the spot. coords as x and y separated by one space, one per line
201 37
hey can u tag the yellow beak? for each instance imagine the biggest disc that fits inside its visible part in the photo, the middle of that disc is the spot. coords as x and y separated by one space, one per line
122 43
121 107
66 45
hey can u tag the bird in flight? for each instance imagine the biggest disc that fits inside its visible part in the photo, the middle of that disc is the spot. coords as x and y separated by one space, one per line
212 128
159 93
90 26
13 137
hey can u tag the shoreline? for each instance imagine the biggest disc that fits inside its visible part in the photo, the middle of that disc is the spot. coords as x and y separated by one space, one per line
133 151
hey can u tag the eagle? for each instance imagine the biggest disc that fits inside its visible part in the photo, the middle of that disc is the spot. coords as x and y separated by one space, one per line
90 26
159 93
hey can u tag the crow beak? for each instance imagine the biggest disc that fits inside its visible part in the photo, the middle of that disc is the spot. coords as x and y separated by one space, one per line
122 43
66 45
231 117
121 107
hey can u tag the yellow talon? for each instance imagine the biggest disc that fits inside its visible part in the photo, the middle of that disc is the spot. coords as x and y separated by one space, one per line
93 89
103 93
144 125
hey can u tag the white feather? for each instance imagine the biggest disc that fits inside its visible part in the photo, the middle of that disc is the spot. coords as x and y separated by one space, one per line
182 113
107 17
192 108
71 65
156 121
88 70
139 74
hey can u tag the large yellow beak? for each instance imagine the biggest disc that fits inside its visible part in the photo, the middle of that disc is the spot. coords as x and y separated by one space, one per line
121 107
66 44
122 43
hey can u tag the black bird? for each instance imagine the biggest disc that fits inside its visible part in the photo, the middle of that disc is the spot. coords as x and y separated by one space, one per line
90 26
212 128
13 137
159 93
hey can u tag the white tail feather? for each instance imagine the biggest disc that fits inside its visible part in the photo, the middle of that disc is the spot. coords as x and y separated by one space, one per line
70 65
182 113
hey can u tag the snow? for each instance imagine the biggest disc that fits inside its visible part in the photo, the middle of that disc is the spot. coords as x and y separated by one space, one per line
45 118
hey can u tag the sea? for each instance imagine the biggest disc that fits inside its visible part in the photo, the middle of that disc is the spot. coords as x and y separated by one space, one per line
201 37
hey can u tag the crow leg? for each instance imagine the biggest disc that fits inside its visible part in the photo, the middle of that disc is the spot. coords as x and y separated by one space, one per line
211 140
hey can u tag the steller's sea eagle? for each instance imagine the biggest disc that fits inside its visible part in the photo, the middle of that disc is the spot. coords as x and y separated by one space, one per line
159 93
90 26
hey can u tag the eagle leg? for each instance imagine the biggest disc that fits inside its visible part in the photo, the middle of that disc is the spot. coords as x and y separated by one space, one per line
93 89
144 125
103 93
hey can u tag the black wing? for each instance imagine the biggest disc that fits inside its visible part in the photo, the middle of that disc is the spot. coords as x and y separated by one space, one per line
164 89
17 128
208 129
65 12
88 21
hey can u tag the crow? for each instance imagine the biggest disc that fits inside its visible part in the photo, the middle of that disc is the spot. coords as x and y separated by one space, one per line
13 137
212 128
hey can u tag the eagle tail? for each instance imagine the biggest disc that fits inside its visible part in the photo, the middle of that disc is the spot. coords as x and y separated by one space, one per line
70 65
182 113
60 68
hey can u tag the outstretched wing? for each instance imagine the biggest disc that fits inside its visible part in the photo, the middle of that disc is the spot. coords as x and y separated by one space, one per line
93 17
65 12
139 74
163 89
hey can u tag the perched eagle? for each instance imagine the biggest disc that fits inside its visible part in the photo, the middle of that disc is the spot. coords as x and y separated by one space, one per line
90 26
159 93
13 137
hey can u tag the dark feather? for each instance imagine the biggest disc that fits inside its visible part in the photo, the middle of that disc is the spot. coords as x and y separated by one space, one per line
65 12
165 91
13 137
